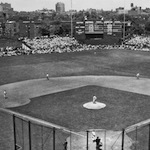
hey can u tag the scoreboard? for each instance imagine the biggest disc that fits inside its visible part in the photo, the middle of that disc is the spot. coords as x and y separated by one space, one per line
108 27
80 27
80 30
112 27
94 27
117 26
98 29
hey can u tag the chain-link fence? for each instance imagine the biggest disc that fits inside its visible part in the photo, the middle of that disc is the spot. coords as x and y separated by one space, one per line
131 138
29 135
140 136
35 134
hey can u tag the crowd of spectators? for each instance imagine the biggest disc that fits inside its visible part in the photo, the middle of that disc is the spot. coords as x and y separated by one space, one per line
58 44
139 42
54 44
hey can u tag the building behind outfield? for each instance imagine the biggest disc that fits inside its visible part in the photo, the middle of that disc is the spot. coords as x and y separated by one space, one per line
60 7
99 32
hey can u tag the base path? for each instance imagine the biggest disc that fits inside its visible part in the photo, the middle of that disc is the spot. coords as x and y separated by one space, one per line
19 93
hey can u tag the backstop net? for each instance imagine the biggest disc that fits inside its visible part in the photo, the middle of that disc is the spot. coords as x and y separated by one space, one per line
140 135
109 140
135 137
28 133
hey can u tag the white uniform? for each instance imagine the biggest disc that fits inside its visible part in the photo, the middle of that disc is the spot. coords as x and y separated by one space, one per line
94 99
5 94
137 75
93 135
47 76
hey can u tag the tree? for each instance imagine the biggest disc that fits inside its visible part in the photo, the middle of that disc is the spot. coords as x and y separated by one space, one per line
147 26
127 17
66 29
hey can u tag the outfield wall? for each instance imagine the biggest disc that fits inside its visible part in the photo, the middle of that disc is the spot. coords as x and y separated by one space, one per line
10 43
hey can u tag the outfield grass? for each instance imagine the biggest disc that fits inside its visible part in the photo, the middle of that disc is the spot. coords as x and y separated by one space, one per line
123 108
105 62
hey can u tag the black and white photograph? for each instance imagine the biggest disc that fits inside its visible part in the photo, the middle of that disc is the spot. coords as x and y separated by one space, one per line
74 74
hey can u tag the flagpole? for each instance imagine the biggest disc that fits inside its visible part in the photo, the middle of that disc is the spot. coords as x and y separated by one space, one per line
124 19
71 21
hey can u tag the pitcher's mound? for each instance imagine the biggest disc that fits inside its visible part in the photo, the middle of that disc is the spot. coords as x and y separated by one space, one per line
96 105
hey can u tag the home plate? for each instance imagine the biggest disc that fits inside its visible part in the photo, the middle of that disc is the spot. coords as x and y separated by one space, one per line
96 105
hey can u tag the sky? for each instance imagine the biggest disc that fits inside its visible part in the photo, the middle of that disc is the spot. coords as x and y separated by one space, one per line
31 5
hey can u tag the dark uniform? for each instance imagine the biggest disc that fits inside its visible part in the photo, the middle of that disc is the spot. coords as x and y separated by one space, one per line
65 145
98 143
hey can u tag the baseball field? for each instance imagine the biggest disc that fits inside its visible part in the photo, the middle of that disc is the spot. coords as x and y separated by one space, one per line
74 78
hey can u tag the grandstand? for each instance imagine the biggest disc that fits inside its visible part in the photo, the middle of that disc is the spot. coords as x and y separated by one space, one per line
56 44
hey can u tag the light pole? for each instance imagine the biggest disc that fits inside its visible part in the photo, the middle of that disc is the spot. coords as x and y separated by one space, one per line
71 21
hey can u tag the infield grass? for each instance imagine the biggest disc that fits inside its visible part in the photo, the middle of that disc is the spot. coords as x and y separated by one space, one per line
66 108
